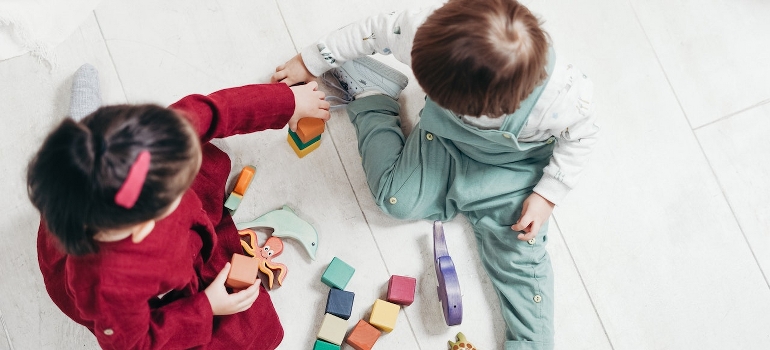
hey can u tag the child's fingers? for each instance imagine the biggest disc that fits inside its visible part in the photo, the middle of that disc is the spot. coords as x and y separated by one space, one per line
325 105
278 76
313 85
527 236
280 68
222 275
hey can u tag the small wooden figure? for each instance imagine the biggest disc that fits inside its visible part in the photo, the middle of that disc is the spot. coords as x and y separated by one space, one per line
401 289
243 272
461 343
322 345
384 315
264 255
363 336
337 274
340 303
333 329
310 128
241 185
448 283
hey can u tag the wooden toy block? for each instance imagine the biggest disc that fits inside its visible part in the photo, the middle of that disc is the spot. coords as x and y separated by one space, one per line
401 289
384 315
448 283
363 336
337 274
340 303
309 128
244 180
302 145
301 153
243 272
233 201
322 345
333 329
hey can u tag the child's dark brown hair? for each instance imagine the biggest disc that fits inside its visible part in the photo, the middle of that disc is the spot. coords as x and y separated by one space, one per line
480 57
74 177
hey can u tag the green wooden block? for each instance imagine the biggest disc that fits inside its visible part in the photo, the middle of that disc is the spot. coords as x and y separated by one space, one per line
322 345
337 274
299 142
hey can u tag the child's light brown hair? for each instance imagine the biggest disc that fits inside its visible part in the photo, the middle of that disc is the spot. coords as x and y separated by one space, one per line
480 57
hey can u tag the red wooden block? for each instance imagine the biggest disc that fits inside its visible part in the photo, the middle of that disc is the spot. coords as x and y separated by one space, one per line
363 336
243 272
401 290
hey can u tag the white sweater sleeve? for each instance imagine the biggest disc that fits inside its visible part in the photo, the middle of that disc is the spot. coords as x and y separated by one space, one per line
385 34
571 120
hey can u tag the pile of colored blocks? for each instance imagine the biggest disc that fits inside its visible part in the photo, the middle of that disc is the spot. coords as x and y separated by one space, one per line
308 136
339 306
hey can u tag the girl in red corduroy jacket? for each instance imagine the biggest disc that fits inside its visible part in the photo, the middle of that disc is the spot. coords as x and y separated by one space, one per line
134 241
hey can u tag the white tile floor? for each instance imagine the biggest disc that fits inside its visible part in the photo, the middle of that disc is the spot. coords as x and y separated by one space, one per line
664 245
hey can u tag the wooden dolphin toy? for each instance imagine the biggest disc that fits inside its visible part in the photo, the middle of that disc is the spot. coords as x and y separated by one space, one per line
285 223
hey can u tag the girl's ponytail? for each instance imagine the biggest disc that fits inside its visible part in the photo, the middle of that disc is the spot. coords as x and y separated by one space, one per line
59 181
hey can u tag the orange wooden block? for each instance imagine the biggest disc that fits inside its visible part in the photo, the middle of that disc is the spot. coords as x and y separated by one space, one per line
309 128
244 180
363 336
243 272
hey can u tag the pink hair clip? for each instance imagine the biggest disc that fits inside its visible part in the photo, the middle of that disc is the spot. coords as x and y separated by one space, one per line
132 186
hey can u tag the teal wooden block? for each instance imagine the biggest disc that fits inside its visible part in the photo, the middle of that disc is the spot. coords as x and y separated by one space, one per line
337 274
302 145
322 345
233 201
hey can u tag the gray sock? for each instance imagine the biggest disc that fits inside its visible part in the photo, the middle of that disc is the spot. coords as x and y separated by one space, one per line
86 97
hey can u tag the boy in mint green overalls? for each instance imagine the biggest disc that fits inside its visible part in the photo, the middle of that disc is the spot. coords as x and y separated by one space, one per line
503 136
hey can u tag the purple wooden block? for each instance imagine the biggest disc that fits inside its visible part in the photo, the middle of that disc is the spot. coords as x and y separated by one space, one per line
448 283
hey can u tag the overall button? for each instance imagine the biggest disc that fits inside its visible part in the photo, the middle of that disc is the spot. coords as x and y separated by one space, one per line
109 331
393 200
531 241
507 135
537 298
428 136
550 141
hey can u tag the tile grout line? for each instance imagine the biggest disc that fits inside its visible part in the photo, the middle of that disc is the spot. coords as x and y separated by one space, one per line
582 282
112 59
371 233
5 330
730 115
283 19
700 146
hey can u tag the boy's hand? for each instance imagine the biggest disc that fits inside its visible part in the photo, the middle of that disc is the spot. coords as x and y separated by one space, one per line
292 72
228 304
308 102
534 213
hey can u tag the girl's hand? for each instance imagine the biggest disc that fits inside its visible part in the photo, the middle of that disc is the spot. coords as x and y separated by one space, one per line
534 213
308 102
228 304
292 72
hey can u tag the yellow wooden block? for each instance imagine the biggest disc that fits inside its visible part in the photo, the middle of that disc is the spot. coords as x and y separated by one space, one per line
384 315
304 152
